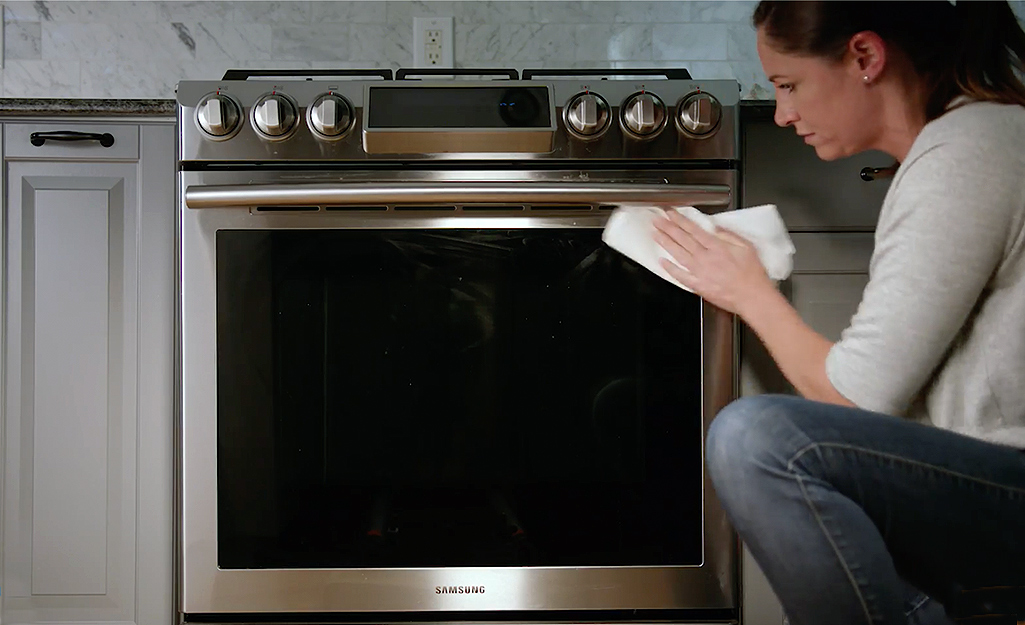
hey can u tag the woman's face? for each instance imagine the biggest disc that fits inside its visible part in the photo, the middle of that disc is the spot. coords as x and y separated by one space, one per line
827 102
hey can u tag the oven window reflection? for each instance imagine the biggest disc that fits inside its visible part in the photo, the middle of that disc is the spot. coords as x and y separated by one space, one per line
423 398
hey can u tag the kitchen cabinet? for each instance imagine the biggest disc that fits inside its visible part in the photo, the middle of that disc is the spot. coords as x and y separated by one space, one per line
812 195
830 274
831 214
88 248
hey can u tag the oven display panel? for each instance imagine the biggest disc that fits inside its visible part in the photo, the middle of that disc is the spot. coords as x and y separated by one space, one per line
459 107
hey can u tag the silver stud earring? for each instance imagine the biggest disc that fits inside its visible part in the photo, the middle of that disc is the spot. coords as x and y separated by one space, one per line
865 78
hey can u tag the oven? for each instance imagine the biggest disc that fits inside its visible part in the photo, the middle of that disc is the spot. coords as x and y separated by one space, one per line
414 383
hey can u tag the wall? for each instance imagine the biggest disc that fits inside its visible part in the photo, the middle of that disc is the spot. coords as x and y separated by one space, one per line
141 49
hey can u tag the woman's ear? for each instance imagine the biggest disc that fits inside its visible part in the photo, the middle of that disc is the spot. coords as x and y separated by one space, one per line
866 56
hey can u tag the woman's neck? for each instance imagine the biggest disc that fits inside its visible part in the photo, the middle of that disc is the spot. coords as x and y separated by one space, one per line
903 105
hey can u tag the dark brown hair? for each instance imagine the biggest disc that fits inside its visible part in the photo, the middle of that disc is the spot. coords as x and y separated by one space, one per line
974 48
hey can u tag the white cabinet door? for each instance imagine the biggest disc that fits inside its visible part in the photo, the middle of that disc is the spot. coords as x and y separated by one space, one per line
87 491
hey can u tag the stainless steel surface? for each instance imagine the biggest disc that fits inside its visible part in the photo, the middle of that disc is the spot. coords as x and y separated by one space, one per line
511 622
206 588
219 116
401 142
644 114
587 114
511 140
275 116
699 114
329 117
305 145
453 171
428 193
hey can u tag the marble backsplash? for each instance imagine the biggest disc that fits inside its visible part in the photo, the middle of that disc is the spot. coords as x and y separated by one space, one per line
140 49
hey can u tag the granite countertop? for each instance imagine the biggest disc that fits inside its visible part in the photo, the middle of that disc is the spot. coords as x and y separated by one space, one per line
750 109
84 107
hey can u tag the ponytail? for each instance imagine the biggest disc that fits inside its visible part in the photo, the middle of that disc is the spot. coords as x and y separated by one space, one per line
988 57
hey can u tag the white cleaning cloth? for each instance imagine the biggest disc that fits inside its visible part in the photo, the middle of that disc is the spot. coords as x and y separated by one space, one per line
630 231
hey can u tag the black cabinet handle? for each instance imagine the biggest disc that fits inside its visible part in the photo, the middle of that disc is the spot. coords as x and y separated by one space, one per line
868 174
39 138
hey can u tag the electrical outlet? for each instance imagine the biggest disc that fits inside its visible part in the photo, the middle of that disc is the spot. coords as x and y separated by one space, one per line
432 42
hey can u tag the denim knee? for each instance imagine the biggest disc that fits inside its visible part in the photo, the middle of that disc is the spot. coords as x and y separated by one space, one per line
746 438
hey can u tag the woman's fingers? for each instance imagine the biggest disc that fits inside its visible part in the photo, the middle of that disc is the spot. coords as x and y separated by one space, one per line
700 235
678 233
685 277
677 242
677 251
732 237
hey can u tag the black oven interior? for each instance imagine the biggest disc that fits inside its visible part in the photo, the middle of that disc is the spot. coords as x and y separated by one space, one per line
453 397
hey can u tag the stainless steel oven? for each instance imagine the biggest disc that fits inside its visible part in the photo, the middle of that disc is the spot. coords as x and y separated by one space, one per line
414 383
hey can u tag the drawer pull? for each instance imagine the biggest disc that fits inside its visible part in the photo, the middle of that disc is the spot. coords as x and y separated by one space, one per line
39 138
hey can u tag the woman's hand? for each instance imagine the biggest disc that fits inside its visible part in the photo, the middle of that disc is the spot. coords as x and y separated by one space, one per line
723 267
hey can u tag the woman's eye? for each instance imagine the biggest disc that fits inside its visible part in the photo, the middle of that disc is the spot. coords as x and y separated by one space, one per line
785 86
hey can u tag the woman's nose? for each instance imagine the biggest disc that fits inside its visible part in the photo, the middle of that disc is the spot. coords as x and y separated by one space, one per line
785 115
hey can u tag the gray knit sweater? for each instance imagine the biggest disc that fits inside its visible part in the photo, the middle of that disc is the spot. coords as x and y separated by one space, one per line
940 331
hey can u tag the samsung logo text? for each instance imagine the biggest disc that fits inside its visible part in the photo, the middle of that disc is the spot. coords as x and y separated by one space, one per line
458 590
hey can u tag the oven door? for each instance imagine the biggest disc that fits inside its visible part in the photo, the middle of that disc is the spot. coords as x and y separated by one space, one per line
423 395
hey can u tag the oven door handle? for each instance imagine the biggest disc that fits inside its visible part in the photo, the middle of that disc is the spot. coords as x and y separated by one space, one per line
448 193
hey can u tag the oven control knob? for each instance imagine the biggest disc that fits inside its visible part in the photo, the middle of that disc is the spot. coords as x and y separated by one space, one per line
330 116
587 114
219 116
699 114
644 114
274 116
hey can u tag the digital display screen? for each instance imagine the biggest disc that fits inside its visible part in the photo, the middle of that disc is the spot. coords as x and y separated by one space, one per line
459 107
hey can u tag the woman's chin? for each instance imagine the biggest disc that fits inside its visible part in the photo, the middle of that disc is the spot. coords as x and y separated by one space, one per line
828 152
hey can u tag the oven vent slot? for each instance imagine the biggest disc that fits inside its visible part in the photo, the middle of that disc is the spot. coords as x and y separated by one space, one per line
486 207
355 208
415 207
607 207
287 209
551 208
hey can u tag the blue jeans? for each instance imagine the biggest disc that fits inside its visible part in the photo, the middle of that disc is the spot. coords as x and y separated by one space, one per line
845 509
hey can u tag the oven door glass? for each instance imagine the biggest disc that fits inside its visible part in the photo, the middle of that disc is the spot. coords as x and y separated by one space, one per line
428 398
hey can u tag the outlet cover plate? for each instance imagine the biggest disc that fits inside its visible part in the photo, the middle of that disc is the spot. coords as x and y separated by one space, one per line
436 49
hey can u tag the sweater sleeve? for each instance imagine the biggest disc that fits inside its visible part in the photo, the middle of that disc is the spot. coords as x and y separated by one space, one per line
944 234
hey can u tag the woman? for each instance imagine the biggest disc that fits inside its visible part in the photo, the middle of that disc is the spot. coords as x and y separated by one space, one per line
854 515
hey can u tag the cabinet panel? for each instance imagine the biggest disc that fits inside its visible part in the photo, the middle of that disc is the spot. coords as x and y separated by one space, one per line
71 406
86 442
830 274
68 295
812 194
834 253
827 301
154 583
18 142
